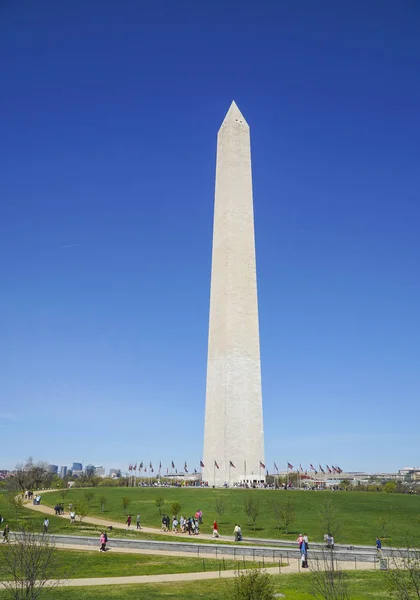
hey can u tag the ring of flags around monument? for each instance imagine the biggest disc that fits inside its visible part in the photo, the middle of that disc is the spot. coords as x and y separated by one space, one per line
142 468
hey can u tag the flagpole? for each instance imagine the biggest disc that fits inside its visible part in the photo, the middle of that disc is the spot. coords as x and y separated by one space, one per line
245 472
260 474
229 473
214 473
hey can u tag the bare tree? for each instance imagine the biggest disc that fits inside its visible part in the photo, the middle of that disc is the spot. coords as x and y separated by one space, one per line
287 514
64 493
327 581
329 519
31 476
382 523
219 507
276 508
30 565
89 497
404 574
102 501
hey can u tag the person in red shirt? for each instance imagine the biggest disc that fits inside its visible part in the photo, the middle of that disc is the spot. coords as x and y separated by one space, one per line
215 530
128 521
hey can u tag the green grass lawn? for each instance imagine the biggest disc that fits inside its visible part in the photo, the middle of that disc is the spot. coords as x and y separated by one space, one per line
74 564
363 586
357 512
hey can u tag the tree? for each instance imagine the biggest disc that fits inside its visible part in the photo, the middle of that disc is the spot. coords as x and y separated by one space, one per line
276 508
328 517
287 514
404 575
15 502
382 522
28 564
102 501
219 507
64 493
125 501
328 582
175 508
89 497
390 487
82 510
32 475
159 502
254 511
251 585
248 506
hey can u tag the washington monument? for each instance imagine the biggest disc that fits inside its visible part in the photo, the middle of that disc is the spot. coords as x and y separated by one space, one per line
233 431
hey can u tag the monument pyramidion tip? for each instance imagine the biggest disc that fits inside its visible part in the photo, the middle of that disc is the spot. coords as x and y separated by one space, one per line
234 115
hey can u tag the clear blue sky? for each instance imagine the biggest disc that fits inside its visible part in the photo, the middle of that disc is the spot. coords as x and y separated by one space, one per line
108 119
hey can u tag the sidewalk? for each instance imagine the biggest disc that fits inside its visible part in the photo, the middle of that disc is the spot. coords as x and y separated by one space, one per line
105 523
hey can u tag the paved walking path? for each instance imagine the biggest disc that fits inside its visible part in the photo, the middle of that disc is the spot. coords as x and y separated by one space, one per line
105 523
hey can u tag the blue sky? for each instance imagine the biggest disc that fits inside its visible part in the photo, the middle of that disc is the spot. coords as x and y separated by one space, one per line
108 119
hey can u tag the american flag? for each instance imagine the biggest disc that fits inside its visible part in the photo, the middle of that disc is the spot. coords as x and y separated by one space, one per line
216 465
173 465
201 464
262 465
289 466
231 464
276 467
185 467
321 469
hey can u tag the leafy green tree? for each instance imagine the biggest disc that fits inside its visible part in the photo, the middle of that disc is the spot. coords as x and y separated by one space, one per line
82 510
175 509
159 502
251 585
390 487
125 501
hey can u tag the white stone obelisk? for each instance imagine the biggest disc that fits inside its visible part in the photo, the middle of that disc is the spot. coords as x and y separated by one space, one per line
233 432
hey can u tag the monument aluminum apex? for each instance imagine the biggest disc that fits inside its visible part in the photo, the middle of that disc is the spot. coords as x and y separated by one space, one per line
233 431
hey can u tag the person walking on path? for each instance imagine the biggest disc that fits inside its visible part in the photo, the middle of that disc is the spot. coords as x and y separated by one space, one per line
378 546
236 533
138 522
216 533
128 521
103 541
300 540
46 524
6 534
